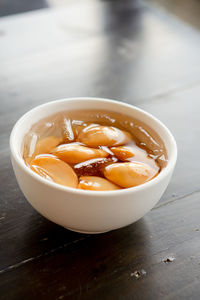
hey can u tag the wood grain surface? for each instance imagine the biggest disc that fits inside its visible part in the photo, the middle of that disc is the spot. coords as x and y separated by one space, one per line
124 50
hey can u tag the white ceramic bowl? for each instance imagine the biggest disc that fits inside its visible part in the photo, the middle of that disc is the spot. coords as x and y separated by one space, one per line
89 211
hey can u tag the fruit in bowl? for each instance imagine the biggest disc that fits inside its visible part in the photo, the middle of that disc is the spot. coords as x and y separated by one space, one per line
93 169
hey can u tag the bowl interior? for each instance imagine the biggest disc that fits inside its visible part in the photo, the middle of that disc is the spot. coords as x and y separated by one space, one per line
25 122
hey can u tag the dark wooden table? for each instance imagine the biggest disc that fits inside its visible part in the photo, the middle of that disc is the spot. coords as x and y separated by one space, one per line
132 52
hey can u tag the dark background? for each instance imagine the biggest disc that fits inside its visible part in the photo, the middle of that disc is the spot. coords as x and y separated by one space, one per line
188 11
146 53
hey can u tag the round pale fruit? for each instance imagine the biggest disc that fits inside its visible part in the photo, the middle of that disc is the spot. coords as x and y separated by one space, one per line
95 183
129 174
74 153
103 136
134 154
54 169
42 146
123 152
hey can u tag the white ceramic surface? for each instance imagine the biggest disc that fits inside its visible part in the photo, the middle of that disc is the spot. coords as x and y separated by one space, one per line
89 211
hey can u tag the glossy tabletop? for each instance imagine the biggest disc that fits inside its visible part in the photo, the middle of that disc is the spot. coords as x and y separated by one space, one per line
133 52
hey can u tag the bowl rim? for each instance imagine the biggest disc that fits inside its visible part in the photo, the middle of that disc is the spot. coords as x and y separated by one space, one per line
164 172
